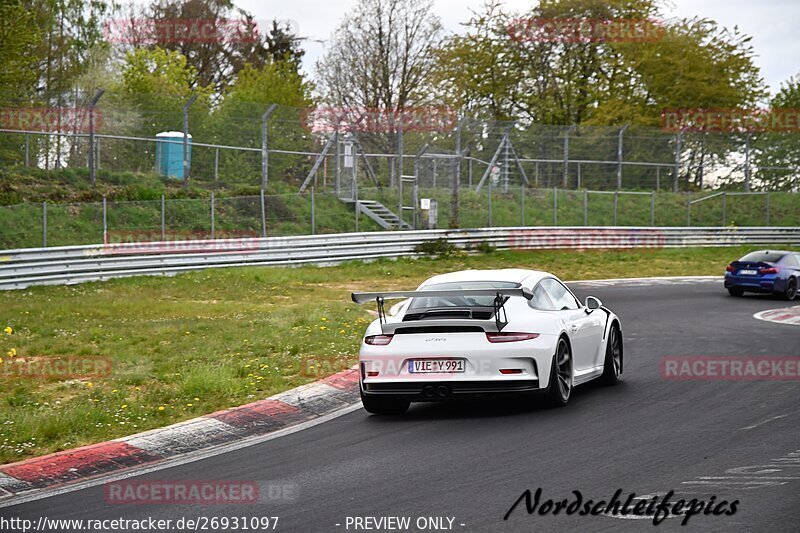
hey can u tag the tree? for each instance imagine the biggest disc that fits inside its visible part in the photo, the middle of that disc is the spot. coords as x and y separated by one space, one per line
18 37
237 121
381 56
777 154
217 38
579 78
283 45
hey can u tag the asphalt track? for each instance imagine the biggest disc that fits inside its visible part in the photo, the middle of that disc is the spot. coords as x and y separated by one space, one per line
471 461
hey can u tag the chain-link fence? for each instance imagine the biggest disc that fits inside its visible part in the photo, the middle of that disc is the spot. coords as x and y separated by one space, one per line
316 212
234 143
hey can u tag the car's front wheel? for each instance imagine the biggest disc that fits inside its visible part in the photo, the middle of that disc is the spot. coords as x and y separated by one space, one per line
560 375
612 366
735 291
384 405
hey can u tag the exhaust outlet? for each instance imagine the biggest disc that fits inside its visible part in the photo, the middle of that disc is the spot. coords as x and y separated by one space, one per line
443 391
429 391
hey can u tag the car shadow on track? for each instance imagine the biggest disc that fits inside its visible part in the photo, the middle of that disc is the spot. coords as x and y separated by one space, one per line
589 394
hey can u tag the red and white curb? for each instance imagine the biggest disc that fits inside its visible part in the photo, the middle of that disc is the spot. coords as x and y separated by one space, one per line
275 414
785 315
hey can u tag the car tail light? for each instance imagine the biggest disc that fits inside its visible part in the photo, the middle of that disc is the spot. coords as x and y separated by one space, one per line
378 340
372 373
730 268
510 337
770 270
511 371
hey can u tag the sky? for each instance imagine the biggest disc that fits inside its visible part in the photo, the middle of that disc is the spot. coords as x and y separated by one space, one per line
771 23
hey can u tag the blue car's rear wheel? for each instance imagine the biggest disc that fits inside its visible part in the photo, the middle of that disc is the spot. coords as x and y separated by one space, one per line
791 289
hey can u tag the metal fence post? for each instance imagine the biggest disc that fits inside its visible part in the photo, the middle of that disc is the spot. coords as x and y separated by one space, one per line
747 163
105 221
264 152
44 224
619 156
579 175
163 219
212 215
92 103
678 139
658 177
767 207
653 208
313 221
358 212
566 154
216 164
522 201
186 139
688 210
27 149
336 170
555 206
616 201
489 195
724 207
263 216
585 207
455 197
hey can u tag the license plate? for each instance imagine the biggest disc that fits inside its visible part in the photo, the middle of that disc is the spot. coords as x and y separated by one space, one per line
748 272
430 366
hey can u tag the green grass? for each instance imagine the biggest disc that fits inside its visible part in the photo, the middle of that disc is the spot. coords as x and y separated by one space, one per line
187 345
75 216
632 210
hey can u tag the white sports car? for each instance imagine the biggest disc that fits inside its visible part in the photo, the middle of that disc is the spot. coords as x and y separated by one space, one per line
479 333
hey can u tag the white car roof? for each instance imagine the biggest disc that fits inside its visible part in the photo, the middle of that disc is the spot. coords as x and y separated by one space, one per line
526 277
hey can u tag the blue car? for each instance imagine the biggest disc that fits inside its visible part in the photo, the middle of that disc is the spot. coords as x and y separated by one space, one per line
768 272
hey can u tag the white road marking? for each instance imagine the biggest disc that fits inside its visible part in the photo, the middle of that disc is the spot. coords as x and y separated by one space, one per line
781 315
768 420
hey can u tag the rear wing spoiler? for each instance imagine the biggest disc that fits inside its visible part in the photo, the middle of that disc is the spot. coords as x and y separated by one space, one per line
499 299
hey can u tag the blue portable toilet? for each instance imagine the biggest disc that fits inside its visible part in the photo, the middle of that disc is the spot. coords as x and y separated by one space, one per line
169 153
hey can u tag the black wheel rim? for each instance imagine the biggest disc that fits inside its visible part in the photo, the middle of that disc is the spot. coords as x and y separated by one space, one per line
616 352
791 290
564 369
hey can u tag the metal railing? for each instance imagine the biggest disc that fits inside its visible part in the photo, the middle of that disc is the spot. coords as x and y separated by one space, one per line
75 264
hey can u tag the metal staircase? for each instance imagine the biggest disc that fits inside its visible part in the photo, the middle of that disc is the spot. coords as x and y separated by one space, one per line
379 213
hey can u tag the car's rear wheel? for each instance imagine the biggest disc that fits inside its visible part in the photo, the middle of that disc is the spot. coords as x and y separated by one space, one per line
560 375
791 289
735 291
384 405
612 365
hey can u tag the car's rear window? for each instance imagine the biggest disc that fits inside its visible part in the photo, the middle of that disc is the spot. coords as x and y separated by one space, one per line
460 301
767 257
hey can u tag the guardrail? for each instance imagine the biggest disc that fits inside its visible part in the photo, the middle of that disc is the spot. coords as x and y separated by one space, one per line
75 264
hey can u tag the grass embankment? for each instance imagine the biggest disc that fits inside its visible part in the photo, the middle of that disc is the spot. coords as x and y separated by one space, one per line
188 345
74 211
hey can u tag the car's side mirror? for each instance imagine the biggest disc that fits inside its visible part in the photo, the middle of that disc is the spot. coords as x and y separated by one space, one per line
592 303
